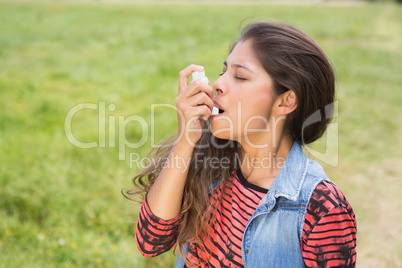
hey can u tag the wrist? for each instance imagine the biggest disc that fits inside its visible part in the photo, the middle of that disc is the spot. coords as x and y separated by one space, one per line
182 147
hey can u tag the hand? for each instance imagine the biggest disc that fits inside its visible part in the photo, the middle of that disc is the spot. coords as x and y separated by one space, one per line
194 104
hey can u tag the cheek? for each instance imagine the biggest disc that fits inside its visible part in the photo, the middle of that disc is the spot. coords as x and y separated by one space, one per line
255 113
247 111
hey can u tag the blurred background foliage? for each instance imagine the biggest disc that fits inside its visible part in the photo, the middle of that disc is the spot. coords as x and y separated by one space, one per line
61 206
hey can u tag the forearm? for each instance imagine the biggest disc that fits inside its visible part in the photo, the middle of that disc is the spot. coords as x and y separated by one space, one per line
193 101
166 194
153 235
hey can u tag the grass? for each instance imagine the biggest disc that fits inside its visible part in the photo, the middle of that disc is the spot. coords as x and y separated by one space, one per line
60 206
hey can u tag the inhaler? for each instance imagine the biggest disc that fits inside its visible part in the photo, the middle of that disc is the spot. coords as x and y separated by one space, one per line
200 76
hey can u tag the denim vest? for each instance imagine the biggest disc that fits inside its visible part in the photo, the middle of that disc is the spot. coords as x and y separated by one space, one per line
272 237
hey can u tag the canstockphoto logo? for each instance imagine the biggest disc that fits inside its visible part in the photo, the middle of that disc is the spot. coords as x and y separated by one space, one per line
107 125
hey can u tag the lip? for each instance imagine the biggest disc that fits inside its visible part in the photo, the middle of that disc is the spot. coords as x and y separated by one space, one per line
217 105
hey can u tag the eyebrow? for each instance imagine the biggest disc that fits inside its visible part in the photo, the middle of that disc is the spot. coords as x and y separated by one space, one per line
234 65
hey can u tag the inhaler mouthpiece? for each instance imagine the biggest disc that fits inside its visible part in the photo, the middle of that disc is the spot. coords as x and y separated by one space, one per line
215 111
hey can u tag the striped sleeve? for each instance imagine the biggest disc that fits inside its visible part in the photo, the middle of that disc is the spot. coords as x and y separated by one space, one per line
329 234
154 235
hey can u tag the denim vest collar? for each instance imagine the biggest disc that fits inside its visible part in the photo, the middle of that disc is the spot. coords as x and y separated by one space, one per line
290 178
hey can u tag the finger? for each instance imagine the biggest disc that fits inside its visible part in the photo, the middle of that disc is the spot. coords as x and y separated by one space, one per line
186 105
185 73
198 87
203 111
202 98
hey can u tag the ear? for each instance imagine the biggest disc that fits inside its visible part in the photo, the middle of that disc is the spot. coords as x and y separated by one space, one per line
286 103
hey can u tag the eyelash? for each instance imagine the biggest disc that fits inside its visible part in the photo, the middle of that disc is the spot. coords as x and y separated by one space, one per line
236 77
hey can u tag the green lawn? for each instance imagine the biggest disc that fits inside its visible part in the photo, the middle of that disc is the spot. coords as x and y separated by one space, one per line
60 206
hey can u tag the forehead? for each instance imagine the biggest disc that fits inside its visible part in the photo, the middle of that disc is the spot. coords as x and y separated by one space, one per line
243 54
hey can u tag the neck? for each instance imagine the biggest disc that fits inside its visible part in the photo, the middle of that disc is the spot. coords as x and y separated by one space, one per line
261 164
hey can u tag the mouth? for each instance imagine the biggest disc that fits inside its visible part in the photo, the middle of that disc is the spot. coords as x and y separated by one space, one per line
217 111
220 110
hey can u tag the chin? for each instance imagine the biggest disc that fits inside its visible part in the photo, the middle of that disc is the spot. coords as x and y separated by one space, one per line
223 133
223 127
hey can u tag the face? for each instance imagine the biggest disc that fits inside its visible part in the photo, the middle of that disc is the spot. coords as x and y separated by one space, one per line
245 94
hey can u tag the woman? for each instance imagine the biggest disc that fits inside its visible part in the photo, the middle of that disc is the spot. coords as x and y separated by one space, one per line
235 189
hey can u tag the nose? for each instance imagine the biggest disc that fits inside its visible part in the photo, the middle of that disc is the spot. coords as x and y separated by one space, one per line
218 86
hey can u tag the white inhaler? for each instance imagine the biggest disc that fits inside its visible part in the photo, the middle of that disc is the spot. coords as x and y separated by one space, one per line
200 76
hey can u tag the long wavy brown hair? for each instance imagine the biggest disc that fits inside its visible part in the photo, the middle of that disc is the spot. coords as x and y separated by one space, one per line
295 62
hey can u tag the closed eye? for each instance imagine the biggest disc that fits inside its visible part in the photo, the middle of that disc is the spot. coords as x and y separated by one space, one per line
236 77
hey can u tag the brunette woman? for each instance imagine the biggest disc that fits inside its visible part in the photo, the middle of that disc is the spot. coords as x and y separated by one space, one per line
235 189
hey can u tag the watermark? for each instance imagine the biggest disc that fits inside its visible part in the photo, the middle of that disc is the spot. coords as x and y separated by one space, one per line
330 156
112 128
121 123
205 162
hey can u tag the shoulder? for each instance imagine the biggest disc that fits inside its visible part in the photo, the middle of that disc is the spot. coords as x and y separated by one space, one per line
327 205
325 193
328 196
329 233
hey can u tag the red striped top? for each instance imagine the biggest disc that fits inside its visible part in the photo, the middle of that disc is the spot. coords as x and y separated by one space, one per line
329 233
